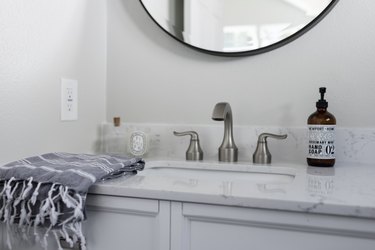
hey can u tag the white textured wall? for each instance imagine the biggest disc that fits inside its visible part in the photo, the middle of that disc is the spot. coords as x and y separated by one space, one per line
40 42
153 78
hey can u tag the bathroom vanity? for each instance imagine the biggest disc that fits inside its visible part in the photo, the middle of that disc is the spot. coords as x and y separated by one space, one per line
181 205
283 207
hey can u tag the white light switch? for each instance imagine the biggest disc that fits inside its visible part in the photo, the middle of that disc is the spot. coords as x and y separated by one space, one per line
69 100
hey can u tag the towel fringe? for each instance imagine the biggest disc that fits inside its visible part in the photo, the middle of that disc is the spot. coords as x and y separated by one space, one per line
35 193
2 196
27 190
57 240
20 199
23 213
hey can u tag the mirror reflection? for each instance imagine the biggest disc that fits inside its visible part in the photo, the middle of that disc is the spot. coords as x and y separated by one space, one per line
231 26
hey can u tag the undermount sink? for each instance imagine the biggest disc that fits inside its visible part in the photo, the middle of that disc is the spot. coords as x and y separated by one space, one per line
219 172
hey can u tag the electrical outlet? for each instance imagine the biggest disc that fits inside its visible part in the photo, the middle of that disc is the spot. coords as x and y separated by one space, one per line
69 100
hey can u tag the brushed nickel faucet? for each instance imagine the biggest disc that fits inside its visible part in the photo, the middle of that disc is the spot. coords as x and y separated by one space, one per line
228 150
194 152
262 155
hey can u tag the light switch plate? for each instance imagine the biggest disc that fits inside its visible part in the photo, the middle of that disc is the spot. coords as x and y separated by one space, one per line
69 100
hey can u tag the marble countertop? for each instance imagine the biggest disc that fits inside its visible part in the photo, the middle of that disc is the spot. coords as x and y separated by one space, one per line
346 189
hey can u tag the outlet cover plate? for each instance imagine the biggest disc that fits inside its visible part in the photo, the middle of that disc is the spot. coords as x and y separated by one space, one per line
69 100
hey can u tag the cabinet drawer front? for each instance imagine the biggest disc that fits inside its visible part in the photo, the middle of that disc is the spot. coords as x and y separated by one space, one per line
200 227
122 204
348 226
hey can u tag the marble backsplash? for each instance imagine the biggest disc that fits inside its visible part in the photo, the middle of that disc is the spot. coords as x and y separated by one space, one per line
353 145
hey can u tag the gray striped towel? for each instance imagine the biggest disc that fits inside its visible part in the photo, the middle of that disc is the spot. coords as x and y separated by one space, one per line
50 191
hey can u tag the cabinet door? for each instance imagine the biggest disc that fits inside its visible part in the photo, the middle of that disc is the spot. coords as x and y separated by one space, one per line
117 223
201 227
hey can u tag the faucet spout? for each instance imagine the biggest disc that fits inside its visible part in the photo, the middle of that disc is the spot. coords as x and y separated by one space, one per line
228 150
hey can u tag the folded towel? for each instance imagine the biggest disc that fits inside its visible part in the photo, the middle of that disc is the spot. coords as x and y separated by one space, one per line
50 190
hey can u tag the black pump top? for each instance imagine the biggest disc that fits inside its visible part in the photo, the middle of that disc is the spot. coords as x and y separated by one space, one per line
322 103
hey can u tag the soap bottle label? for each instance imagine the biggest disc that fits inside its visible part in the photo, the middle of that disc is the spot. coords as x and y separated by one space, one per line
138 143
321 141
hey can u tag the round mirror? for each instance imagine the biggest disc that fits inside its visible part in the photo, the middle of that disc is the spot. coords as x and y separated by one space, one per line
236 27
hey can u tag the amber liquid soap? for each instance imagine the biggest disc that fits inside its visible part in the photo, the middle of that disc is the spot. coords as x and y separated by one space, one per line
321 135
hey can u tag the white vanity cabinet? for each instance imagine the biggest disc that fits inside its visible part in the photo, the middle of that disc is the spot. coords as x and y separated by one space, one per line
117 223
202 227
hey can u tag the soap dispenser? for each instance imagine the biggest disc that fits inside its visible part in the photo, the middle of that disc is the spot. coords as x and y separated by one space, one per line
321 135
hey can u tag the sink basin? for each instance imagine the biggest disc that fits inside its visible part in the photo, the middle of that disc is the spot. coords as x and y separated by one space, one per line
220 172
230 178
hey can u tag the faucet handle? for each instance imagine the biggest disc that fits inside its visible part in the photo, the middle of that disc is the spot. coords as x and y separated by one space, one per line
262 155
194 152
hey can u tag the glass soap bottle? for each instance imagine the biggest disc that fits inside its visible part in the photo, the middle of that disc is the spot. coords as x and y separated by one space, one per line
321 135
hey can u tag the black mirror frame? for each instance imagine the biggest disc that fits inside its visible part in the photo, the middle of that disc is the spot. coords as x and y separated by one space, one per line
260 50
